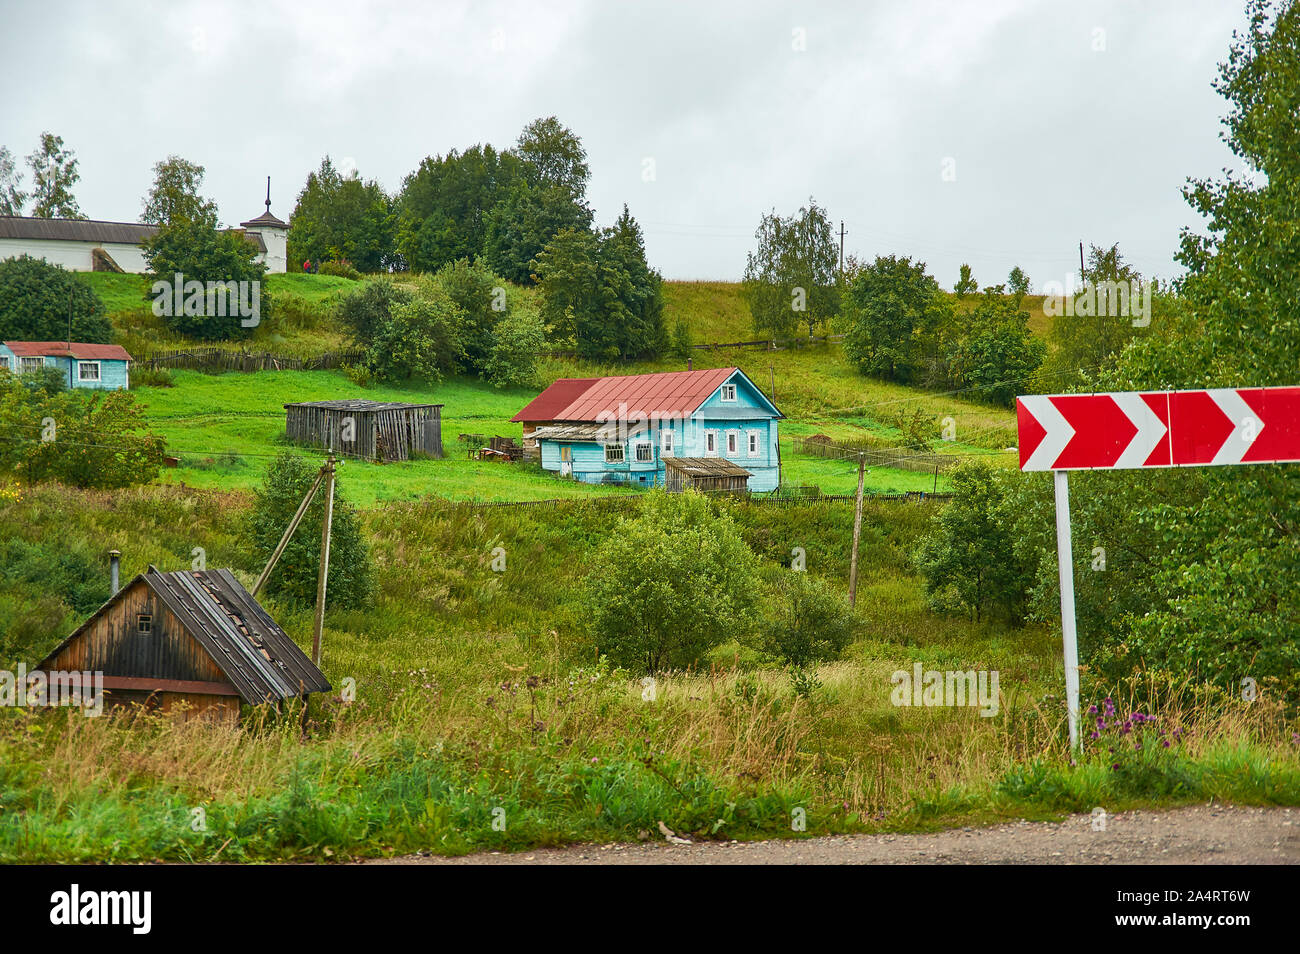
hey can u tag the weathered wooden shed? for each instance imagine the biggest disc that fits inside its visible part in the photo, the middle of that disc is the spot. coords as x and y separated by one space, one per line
191 644
704 474
374 430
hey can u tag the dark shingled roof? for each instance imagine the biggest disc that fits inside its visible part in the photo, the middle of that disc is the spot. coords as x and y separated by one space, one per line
74 230
99 232
258 657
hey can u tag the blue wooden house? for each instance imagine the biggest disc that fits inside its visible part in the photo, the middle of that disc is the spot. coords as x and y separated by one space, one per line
711 430
101 367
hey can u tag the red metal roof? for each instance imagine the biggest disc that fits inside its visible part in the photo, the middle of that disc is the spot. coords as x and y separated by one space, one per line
547 405
62 349
670 392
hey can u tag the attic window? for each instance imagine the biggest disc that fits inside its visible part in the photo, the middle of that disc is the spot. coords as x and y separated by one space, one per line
144 624
728 392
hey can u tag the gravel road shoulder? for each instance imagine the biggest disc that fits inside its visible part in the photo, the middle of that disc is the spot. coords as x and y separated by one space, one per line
1203 834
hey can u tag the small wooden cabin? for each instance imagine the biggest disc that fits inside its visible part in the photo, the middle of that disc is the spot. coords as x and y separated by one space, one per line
374 430
192 644
705 474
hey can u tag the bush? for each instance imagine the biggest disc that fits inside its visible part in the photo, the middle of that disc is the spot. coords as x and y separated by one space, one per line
340 269
670 584
968 559
34 300
84 438
365 309
809 621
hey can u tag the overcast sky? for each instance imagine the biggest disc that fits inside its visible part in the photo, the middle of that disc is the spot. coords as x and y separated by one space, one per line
1055 121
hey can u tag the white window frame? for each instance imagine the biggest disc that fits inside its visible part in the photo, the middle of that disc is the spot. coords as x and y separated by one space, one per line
733 444
753 447
649 450
620 449
99 371
728 394
666 442
23 363
710 443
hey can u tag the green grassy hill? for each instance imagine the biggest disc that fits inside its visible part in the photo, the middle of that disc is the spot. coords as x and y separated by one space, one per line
223 428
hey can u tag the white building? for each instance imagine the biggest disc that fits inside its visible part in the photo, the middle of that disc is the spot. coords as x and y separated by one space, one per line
89 245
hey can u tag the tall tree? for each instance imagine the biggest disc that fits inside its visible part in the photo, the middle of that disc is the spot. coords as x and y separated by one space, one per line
791 277
12 197
444 206
174 195
966 284
1085 343
343 218
54 173
893 309
598 291
554 157
1203 563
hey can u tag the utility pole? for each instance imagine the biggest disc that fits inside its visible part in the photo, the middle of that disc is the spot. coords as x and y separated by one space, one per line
1083 277
771 370
324 559
857 532
842 234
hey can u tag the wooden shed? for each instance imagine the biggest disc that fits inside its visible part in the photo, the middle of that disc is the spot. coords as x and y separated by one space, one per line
374 430
192 644
704 474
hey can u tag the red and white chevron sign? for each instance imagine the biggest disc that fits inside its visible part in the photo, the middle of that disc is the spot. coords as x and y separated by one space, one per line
1134 429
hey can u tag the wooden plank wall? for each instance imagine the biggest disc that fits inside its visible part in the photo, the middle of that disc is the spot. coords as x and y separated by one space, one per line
390 434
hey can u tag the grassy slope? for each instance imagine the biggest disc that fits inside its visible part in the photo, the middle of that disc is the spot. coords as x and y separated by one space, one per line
816 388
441 730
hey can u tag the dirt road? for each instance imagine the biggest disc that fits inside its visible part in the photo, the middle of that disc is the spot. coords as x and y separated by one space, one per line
1206 834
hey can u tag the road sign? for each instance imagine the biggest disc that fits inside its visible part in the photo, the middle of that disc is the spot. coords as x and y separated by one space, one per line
1137 429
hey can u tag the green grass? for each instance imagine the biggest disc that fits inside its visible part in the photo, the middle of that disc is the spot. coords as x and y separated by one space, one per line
445 728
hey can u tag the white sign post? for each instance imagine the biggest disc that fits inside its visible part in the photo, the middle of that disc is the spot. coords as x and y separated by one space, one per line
1069 634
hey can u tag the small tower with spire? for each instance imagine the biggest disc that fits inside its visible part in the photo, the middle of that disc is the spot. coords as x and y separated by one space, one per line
272 233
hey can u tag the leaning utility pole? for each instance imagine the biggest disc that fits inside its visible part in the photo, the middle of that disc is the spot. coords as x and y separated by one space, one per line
857 532
288 534
322 579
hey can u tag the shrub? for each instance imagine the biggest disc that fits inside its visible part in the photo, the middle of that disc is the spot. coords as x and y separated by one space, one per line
968 559
669 584
809 621
341 269
35 298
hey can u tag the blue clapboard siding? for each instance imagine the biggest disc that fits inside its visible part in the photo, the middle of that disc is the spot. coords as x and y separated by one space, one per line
750 413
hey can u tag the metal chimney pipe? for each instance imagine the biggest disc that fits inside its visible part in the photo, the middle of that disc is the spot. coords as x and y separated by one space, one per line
114 568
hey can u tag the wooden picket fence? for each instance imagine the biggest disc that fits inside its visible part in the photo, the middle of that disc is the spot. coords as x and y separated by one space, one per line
217 360
901 458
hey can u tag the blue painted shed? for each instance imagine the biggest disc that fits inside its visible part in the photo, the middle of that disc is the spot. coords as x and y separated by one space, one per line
620 429
102 367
